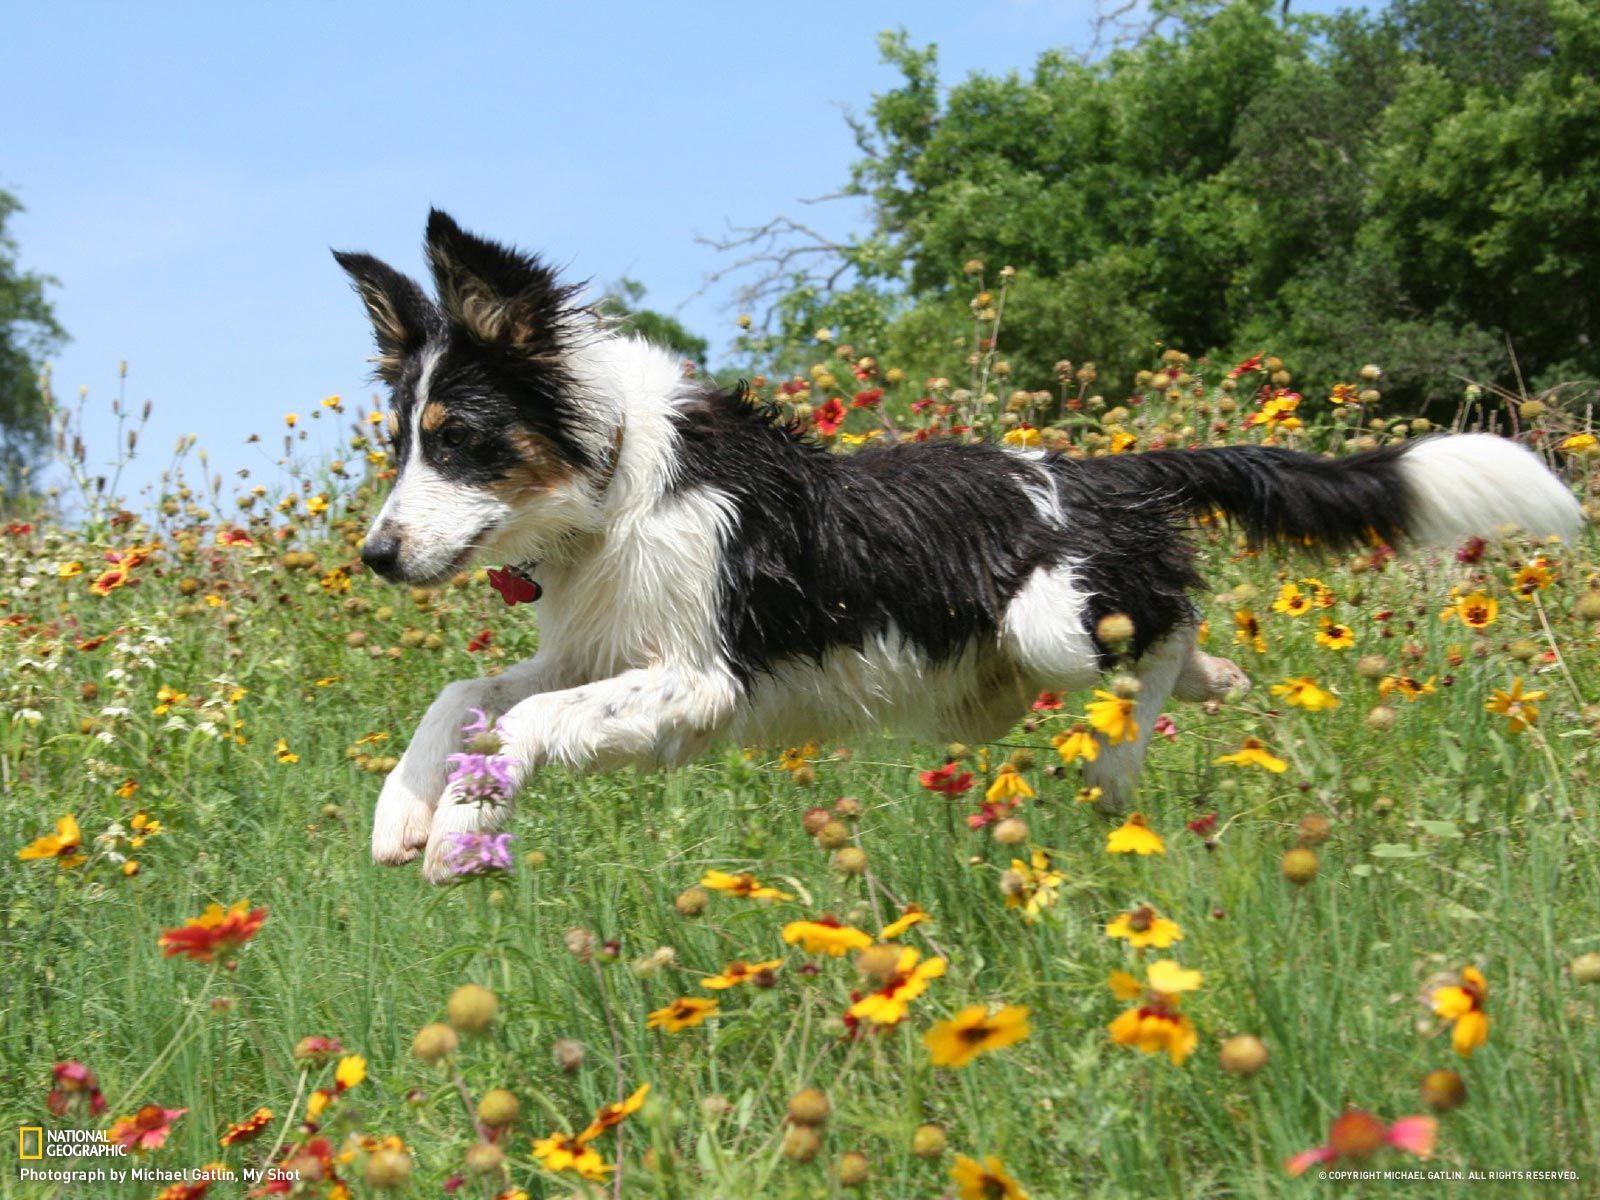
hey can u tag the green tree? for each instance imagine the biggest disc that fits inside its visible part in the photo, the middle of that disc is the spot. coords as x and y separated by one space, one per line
28 334
1420 185
622 303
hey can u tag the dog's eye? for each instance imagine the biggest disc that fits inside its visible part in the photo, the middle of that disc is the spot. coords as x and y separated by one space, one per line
454 435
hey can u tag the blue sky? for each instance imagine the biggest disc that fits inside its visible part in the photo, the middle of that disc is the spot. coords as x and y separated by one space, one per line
186 166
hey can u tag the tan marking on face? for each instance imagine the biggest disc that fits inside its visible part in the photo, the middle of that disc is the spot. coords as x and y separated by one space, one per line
392 426
433 416
541 469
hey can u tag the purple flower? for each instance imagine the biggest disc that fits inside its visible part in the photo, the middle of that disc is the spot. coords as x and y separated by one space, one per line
473 728
482 778
478 853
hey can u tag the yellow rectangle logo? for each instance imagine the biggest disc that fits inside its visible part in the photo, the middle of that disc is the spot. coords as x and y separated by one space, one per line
38 1143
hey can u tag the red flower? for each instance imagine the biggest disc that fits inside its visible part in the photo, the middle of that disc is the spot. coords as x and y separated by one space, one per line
828 416
481 642
514 587
1253 363
19 529
868 398
247 1129
1046 702
147 1129
948 780
217 931
1471 550
1356 1134
72 1081
991 812
1202 826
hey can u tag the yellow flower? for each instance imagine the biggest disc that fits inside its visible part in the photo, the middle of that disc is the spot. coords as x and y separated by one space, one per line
1143 927
283 754
1075 743
1534 577
614 1114
1519 708
1121 440
796 757
825 936
1335 636
561 1152
1412 689
987 1180
1032 886
1303 692
1253 753
1112 716
352 1069
1008 785
1247 630
889 1004
317 505
743 884
1462 1002
1156 1024
683 1013
1023 435
1133 836
69 570
64 845
1579 443
974 1031
738 972
1291 601
913 915
1475 610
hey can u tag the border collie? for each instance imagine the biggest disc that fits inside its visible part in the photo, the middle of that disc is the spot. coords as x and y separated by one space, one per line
709 574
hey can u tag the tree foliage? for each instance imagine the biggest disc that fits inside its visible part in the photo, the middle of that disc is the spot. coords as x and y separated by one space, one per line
28 333
1420 185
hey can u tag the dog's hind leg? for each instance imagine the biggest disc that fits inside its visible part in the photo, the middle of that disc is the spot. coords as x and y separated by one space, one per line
1116 771
404 815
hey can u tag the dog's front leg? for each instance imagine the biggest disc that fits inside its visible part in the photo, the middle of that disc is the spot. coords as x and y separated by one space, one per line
657 715
412 790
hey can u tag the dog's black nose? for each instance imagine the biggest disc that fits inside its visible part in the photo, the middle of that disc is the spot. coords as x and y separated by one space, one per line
381 553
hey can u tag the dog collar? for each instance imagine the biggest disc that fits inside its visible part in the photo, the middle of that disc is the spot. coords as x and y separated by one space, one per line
515 583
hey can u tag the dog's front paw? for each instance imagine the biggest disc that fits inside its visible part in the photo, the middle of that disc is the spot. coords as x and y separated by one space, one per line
404 817
461 823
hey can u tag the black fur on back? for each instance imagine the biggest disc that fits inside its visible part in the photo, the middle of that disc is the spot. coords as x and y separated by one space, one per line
936 538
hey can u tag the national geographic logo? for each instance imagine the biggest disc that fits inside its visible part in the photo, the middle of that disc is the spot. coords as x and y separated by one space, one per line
35 1143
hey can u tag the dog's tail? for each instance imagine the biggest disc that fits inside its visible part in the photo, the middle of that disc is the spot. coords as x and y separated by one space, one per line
1432 492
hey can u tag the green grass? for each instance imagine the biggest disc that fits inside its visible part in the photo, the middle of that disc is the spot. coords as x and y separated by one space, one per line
1453 842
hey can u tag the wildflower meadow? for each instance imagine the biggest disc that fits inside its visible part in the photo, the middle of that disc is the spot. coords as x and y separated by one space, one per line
1352 923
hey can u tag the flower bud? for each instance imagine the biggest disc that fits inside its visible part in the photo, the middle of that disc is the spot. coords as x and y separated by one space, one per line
1443 1090
1313 830
691 902
809 1106
1586 967
471 1008
833 835
388 1168
928 1141
498 1108
853 1169
434 1042
484 1158
801 1143
1012 831
1243 1055
852 860
1300 866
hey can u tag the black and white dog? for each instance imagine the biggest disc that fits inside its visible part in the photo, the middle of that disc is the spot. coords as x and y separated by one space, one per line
708 574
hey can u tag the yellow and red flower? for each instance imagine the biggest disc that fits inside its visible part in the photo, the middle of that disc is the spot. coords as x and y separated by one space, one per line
1462 1002
1157 1023
217 932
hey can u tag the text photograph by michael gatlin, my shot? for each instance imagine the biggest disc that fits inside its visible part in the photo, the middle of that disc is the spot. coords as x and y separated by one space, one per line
903 601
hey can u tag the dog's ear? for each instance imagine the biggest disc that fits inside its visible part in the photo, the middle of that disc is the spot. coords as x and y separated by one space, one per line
402 315
501 297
